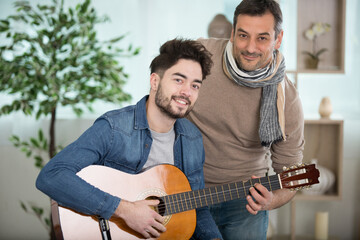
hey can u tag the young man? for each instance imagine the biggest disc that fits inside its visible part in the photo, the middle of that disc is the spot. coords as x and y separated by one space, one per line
246 109
136 138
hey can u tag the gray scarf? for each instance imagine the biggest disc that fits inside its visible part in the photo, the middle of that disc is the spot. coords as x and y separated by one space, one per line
268 79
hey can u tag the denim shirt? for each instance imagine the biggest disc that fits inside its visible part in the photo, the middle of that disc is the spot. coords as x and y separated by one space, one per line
121 139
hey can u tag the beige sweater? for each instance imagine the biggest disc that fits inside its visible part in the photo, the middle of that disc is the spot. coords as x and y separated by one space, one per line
228 117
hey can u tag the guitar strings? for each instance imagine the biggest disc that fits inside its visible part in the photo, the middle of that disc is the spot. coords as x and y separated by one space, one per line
181 204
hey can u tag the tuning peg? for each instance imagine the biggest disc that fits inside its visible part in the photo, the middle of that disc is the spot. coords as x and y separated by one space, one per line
285 168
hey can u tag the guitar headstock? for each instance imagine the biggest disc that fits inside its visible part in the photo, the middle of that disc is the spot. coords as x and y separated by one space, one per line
299 177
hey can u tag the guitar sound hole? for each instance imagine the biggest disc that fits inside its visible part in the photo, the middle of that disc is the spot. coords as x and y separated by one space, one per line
159 208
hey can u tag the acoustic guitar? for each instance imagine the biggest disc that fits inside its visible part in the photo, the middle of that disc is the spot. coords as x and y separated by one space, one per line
177 201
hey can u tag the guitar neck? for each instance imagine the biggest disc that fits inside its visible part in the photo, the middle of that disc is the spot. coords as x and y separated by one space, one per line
185 201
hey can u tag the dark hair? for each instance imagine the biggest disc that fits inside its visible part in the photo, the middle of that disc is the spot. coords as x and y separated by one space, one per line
174 50
259 8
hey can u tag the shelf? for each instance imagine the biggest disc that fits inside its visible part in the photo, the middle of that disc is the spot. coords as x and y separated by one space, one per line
325 11
327 197
324 142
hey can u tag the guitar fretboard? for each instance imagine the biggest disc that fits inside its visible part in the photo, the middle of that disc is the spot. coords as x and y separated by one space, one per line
185 201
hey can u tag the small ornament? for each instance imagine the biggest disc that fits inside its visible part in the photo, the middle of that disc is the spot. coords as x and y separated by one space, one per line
220 27
325 108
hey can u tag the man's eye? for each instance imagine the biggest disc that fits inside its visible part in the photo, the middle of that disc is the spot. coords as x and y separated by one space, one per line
196 86
242 35
262 38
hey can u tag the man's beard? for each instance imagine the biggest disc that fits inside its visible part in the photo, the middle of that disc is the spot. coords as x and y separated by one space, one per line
242 65
164 105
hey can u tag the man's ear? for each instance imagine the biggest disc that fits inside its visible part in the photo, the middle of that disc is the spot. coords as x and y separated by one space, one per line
154 81
232 36
279 39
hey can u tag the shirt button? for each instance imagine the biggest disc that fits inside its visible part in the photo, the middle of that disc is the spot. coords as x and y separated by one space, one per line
146 145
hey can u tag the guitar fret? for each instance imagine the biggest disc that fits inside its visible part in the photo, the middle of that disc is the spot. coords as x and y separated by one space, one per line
165 204
212 201
181 202
199 198
275 180
177 202
194 200
172 204
244 189
205 197
223 192
231 198
269 183
237 190
191 207
187 208
217 195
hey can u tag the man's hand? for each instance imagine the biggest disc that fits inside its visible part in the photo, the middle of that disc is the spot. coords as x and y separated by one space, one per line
260 198
140 217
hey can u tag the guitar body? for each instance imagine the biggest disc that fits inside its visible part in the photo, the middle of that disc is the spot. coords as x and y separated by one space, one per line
158 181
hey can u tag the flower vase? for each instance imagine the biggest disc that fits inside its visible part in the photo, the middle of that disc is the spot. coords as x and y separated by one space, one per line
325 107
312 63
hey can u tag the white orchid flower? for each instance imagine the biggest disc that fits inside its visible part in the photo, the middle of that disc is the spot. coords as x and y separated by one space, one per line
318 28
310 34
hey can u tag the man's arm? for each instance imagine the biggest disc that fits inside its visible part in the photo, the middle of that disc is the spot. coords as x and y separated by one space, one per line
59 181
284 153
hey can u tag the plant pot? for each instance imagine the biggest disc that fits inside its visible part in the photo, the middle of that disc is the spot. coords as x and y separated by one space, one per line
312 63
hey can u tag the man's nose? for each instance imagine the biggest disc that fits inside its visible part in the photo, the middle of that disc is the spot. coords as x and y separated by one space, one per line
251 46
185 90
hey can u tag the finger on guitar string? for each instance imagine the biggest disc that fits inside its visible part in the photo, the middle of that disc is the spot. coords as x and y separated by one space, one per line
150 233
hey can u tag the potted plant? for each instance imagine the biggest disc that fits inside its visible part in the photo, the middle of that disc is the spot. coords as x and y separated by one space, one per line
52 57
315 31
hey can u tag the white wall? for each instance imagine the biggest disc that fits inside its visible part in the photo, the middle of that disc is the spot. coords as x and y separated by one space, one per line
149 24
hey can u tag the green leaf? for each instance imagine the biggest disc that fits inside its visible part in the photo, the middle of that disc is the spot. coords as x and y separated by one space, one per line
310 54
47 222
35 142
23 206
37 210
24 149
115 76
28 154
40 135
320 52
84 6
137 51
114 40
14 138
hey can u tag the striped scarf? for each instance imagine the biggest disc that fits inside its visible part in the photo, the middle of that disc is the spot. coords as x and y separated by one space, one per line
270 79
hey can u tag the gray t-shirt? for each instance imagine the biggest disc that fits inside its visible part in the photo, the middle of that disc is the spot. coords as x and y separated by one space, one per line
162 149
